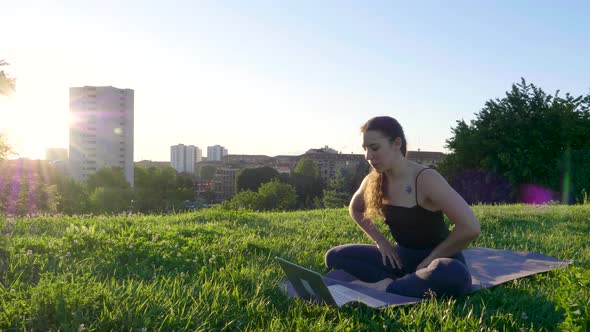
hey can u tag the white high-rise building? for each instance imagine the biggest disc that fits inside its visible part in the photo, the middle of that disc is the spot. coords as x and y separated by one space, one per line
183 157
101 131
216 153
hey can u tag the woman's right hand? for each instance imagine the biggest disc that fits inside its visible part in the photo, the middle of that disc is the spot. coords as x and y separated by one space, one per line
389 253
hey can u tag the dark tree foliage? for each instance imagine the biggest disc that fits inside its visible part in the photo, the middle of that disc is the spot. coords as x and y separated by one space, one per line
527 137
107 177
160 190
208 172
252 178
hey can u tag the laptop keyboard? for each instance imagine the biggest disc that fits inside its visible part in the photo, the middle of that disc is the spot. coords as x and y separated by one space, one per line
342 294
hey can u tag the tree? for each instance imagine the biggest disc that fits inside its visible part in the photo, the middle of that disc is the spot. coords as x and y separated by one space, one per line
107 177
307 182
245 199
158 190
271 196
522 138
7 84
208 172
252 178
307 167
110 199
308 188
73 197
4 148
7 87
335 196
277 196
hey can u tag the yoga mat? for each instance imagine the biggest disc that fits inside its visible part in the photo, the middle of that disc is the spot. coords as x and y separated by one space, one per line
488 267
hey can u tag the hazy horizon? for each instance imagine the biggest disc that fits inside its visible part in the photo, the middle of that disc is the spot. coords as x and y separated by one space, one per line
270 78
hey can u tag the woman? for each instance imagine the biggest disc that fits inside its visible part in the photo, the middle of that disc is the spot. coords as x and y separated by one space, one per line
412 199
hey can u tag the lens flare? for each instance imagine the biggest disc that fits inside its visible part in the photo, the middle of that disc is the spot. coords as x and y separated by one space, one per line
535 194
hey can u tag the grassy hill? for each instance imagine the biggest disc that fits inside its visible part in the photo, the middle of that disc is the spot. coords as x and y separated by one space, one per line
215 270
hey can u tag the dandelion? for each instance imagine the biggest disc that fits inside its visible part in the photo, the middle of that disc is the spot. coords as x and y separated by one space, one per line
221 269
154 238
211 260
82 328
29 252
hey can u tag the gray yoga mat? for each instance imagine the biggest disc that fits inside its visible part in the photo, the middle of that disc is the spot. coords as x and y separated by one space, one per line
488 267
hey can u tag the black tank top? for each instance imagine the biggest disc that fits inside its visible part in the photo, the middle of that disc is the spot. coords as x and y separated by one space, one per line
416 227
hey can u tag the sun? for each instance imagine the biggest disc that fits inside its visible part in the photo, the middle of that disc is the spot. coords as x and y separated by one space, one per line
31 122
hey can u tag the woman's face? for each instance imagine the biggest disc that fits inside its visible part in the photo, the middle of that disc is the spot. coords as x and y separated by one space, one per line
380 152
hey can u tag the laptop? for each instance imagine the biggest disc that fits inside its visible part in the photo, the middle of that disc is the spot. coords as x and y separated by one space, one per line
311 286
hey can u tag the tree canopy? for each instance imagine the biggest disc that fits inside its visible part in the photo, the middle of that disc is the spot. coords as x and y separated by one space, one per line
528 136
307 167
252 178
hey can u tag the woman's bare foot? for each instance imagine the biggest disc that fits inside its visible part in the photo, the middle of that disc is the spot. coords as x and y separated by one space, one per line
379 285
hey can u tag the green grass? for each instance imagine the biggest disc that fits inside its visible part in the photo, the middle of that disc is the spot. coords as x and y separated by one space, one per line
215 270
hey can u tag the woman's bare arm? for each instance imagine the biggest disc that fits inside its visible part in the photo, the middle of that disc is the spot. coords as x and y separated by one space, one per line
467 227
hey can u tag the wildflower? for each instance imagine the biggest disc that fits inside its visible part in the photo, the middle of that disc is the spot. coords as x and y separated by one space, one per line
211 260
82 328
221 269
154 238
29 252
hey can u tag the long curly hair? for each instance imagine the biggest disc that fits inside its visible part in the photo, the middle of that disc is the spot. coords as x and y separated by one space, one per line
376 185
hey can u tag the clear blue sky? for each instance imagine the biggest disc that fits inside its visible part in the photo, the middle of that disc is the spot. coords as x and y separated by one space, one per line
280 77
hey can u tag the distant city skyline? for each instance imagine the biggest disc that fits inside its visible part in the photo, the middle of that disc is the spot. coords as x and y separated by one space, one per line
265 78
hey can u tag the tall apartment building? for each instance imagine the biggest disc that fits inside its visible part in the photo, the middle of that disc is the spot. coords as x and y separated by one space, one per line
184 157
101 133
216 153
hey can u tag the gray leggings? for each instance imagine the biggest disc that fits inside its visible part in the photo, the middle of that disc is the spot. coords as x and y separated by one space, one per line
444 276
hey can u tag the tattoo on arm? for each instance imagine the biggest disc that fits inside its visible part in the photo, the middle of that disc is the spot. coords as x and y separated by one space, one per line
409 189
